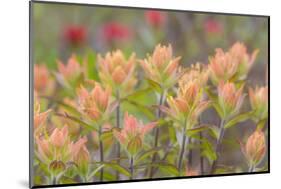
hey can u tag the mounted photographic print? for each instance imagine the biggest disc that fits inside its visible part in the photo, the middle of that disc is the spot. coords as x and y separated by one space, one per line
123 94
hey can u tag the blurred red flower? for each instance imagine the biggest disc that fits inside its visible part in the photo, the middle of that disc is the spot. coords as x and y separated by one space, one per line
75 35
155 18
115 31
213 26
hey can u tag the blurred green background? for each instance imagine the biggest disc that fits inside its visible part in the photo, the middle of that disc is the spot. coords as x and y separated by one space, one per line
63 29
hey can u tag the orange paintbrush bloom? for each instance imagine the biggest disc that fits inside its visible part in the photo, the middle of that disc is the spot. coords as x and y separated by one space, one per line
41 77
161 66
245 61
131 136
117 71
39 118
259 102
59 137
230 99
255 148
95 103
80 155
232 65
222 67
71 71
189 102
55 147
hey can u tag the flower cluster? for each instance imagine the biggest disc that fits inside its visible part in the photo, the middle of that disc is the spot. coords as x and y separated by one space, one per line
105 122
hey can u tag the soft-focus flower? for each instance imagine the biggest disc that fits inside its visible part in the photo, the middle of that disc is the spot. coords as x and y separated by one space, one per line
96 103
244 60
189 102
75 35
161 66
114 31
80 155
230 99
155 18
41 77
191 172
255 148
59 137
132 135
222 66
232 65
117 71
213 26
259 102
55 147
39 117
71 71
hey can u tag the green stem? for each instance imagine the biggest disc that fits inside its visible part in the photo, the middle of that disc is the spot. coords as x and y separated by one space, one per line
201 157
181 151
101 153
218 146
157 131
118 126
53 180
190 154
251 168
132 168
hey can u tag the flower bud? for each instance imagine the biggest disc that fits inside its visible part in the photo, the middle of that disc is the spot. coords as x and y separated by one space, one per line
161 67
56 167
230 98
255 148
259 102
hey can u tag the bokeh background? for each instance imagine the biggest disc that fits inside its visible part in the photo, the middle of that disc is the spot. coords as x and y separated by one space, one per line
62 29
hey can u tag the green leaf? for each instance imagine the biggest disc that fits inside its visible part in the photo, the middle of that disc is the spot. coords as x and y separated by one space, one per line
106 135
96 171
154 85
91 66
195 130
139 93
82 123
208 151
144 109
118 168
239 118
167 168
146 154
261 124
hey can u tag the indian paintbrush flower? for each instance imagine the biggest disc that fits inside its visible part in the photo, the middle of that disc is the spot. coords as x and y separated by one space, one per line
114 31
71 71
259 102
41 78
232 65
189 102
244 60
132 135
94 104
117 71
255 148
39 117
230 99
155 18
161 66
80 155
55 147
75 35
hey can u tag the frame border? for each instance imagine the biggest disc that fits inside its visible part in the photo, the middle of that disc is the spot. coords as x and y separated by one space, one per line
31 96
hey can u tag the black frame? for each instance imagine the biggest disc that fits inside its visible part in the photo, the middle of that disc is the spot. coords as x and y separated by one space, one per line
31 97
